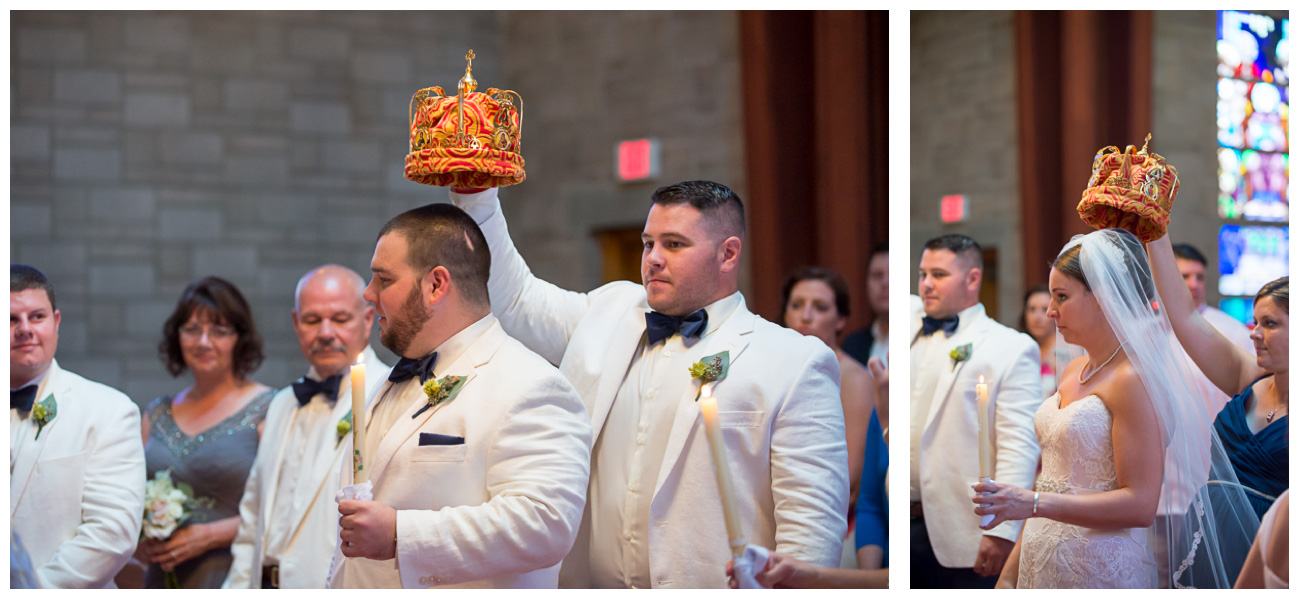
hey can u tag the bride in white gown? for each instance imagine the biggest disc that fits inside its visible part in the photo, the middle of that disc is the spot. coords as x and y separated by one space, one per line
1104 437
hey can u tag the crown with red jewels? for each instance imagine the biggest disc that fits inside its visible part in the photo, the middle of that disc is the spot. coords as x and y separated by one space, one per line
1130 190
469 140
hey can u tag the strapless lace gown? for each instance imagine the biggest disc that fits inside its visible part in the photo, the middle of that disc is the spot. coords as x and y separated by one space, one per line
1078 458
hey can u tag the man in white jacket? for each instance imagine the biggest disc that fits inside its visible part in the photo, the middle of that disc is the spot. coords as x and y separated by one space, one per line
288 515
953 344
654 517
478 450
76 464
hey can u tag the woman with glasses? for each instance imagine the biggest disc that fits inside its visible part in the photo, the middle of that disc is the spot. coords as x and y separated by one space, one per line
207 433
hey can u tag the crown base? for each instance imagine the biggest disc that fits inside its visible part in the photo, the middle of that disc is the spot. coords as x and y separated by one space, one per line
1106 206
465 167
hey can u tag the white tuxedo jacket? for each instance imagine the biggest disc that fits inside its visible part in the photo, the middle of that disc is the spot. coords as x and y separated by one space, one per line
497 511
76 493
312 528
949 460
779 407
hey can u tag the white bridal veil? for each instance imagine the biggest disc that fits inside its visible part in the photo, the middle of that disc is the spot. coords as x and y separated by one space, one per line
1205 524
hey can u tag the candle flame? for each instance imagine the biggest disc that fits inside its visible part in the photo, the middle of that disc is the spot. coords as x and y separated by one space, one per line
706 390
360 358
981 379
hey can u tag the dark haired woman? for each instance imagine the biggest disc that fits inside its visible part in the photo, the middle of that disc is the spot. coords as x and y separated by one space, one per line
207 433
1253 425
1120 440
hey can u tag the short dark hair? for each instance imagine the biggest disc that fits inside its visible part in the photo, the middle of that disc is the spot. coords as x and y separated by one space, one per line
23 277
1189 252
228 307
1279 290
880 248
963 246
822 274
1038 289
444 235
716 202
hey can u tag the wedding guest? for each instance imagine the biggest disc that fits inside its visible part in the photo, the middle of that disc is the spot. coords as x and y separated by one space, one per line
655 518
1268 564
873 340
816 302
955 344
207 433
1192 265
476 447
1253 426
1035 322
76 467
288 515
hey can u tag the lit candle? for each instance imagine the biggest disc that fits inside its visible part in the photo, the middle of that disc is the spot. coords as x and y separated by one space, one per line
986 445
986 450
359 474
709 410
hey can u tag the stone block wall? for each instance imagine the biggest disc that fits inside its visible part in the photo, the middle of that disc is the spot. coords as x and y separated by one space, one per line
150 149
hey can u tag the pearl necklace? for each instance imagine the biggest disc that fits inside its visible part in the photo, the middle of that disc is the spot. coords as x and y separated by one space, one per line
1083 380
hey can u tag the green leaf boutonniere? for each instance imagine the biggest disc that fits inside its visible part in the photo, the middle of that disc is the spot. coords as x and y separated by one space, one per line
43 413
710 369
440 390
959 355
344 428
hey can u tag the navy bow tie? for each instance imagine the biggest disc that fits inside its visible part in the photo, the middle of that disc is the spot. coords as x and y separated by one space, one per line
659 326
306 389
410 367
23 397
929 326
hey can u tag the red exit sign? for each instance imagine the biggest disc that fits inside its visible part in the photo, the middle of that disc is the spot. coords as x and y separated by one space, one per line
954 208
637 160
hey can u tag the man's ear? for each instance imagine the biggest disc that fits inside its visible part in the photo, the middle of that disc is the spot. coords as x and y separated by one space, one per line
435 285
730 254
974 278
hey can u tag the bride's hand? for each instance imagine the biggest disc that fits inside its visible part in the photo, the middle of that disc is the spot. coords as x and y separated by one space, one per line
1005 502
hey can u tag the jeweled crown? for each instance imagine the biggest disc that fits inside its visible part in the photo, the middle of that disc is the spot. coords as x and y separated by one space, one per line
471 139
1132 190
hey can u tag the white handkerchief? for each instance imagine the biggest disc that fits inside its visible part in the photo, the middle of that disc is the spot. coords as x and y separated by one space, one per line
364 491
749 564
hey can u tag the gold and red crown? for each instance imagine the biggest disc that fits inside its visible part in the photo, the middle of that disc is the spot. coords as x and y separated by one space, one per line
1130 190
470 140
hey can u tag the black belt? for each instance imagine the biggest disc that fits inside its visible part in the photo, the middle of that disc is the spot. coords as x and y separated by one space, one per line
271 577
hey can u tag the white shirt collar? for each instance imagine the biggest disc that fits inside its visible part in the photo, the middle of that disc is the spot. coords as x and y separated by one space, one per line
451 350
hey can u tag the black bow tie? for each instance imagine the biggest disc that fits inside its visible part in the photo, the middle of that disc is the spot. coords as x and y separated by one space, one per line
306 389
23 397
929 326
659 326
410 367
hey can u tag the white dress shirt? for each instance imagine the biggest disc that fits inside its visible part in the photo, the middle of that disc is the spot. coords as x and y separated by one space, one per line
627 457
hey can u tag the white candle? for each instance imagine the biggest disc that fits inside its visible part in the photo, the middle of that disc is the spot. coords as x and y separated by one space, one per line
986 447
709 410
359 474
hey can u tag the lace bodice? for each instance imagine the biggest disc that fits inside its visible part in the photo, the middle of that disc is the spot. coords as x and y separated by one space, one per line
1079 458
1079 435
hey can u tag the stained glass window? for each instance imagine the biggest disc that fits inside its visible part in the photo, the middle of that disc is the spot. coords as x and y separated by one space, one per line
1254 161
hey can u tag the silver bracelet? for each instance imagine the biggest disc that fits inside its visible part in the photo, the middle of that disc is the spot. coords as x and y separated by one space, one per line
1035 504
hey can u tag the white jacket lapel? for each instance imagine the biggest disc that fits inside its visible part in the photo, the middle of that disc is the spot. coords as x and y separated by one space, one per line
25 462
731 337
973 335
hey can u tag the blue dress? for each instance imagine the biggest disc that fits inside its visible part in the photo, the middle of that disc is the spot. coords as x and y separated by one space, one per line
873 505
1259 459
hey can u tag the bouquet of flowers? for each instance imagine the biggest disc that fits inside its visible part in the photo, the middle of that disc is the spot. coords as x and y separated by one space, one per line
167 505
